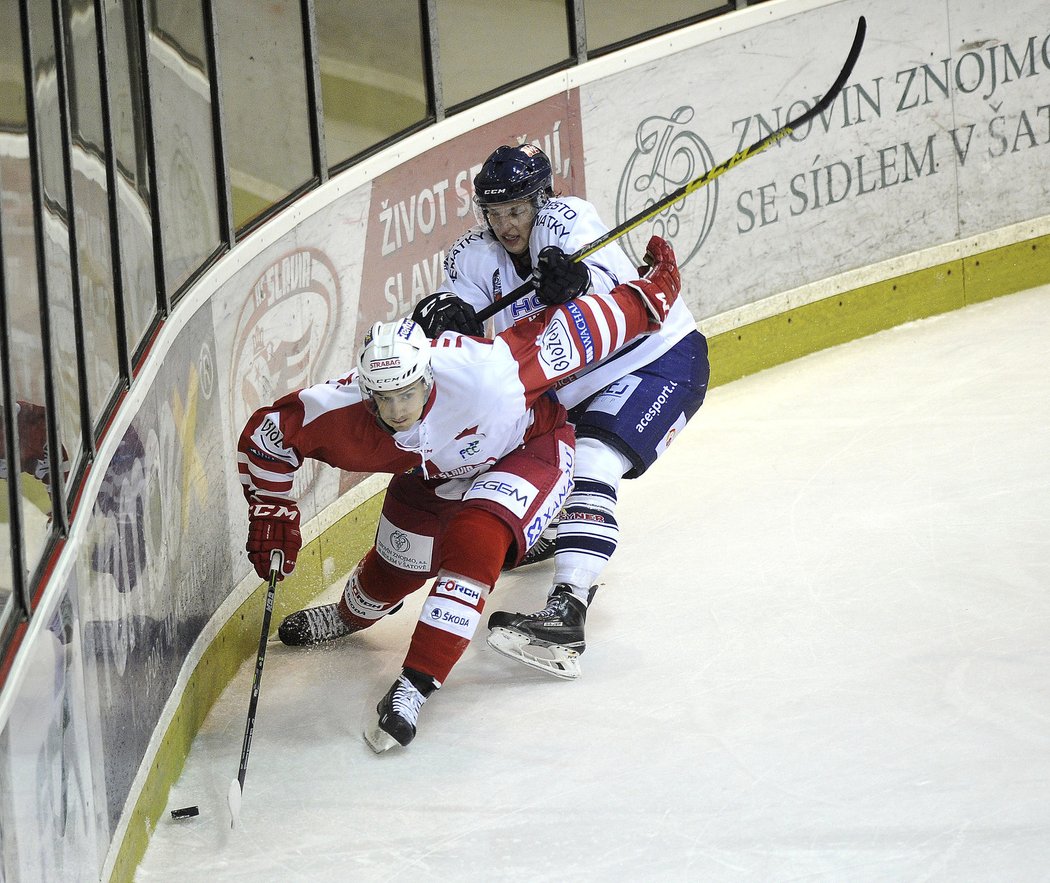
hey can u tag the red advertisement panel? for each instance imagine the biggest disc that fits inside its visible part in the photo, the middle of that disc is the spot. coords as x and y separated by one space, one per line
421 207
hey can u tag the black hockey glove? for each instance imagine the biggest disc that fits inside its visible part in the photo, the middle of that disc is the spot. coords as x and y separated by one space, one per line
557 278
445 311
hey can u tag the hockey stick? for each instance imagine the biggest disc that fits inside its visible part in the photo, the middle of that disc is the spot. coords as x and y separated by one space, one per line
233 797
706 178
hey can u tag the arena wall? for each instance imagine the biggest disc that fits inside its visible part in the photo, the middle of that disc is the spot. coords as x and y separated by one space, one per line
922 189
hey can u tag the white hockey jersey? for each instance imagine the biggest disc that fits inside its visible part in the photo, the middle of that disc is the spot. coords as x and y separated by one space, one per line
488 399
480 270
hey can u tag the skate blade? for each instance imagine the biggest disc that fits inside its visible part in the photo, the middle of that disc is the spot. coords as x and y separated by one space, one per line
553 660
380 740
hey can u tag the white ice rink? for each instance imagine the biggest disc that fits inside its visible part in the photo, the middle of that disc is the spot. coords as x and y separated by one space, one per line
822 652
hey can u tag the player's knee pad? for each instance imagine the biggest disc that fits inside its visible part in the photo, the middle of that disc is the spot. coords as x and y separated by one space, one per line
475 545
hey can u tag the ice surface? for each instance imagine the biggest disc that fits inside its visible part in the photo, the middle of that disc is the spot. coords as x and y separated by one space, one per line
821 652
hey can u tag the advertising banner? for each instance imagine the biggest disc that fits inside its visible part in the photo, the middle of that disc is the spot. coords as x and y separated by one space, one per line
942 132
156 563
420 208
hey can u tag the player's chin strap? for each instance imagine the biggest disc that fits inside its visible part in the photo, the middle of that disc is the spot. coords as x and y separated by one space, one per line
707 177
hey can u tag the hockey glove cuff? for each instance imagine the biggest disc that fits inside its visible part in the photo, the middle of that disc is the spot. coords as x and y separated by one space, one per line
660 287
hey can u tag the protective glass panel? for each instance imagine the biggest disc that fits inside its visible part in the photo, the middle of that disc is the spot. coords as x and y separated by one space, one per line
184 138
19 263
91 203
63 355
518 41
126 98
6 540
371 88
267 120
611 21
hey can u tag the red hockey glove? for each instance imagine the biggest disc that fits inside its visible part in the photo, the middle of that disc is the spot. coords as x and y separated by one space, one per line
273 526
557 278
659 287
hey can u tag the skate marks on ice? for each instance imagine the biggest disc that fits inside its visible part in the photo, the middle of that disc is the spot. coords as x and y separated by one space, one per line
820 650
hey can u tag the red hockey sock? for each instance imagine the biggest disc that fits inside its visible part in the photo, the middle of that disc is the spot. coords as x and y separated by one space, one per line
373 588
474 548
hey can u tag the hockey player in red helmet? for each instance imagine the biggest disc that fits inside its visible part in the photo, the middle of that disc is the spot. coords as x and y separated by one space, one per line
482 461
626 408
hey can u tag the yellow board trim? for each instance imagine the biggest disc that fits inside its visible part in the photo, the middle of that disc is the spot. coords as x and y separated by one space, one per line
878 306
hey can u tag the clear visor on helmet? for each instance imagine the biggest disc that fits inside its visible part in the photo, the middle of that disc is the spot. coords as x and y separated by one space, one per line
523 209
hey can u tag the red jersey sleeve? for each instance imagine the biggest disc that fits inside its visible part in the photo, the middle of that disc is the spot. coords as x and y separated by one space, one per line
267 454
328 422
562 340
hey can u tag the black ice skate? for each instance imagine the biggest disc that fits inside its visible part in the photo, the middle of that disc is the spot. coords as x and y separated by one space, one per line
399 711
550 640
543 548
314 625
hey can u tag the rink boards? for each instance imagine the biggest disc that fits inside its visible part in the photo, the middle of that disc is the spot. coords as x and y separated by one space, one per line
921 190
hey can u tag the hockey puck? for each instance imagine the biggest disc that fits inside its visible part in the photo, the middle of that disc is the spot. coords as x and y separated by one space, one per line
187 812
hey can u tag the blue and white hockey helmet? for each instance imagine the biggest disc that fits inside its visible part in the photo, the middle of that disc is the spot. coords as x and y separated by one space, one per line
512 173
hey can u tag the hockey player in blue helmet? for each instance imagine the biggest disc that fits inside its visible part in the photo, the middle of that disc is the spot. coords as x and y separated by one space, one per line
626 409
511 188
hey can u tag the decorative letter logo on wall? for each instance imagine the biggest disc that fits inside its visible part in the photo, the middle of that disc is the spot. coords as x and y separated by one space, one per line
666 156
284 330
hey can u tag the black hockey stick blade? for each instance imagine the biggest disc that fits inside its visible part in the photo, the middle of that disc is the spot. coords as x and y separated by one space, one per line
236 789
708 176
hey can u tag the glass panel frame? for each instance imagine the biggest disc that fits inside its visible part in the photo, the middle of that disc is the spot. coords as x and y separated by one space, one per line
89 158
370 90
185 174
473 69
12 565
612 24
61 328
269 143
131 160
34 500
